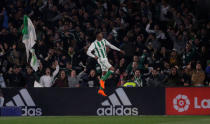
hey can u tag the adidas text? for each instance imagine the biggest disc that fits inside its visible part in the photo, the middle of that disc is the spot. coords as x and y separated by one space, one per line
117 110
31 111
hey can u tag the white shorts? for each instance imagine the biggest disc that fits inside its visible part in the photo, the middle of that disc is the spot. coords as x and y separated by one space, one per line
104 63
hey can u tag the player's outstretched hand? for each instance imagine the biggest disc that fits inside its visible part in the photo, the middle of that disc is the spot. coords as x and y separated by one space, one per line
122 51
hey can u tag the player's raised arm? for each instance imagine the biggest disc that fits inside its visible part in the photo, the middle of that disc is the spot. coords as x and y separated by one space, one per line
89 51
114 47
148 30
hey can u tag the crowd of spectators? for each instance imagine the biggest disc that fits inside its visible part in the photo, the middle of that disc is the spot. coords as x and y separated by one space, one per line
165 43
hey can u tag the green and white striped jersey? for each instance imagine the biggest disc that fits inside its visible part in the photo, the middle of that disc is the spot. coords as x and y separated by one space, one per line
100 48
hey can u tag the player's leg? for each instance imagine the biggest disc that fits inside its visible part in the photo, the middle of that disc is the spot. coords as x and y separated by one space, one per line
104 70
109 69
108 73
102 83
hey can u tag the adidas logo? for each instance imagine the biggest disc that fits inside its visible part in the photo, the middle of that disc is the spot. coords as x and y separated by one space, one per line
117 104
23 99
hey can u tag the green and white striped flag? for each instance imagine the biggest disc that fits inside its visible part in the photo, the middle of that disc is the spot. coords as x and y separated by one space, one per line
29 35
34 61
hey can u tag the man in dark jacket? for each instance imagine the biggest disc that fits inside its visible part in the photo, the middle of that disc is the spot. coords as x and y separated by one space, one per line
174 79
29 77
15 78
155 79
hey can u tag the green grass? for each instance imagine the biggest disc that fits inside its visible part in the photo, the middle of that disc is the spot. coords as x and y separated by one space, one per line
107 120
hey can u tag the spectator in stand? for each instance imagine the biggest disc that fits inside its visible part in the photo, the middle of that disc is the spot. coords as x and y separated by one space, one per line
198 76
15 78
139 79
186 76
88 80
39 72
166 69
174 78
160 35
68 68
14 57
92 80
122 65
143 59
62 80
131 70
203 56
47 79
163 54
123 79
155 79
208 72
188 54
73 80
29 77
72 56
135 59
174 58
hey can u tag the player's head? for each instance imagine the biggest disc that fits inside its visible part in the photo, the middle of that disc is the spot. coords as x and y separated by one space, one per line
99 36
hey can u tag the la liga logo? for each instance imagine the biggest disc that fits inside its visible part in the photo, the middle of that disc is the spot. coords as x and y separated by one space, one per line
181 103
188 101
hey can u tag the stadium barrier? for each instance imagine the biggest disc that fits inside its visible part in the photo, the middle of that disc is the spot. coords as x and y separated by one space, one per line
120 101
86 101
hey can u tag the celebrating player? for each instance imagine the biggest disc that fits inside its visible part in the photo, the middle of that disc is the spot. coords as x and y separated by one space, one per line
99 48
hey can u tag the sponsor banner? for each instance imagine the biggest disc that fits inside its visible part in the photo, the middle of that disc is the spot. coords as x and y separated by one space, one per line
188 101
133 101
86 101
10 111
19 99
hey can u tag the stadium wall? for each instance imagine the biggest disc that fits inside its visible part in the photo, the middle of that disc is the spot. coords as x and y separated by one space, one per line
120 101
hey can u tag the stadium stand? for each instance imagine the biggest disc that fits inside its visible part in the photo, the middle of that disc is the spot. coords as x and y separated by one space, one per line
166 42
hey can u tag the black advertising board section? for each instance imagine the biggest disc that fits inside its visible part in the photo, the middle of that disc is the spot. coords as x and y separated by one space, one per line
86 101
150 101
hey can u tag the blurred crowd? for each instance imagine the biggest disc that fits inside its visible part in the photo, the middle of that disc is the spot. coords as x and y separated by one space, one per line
166 44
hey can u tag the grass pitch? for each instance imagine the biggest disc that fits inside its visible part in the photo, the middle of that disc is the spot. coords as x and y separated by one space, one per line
107 120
